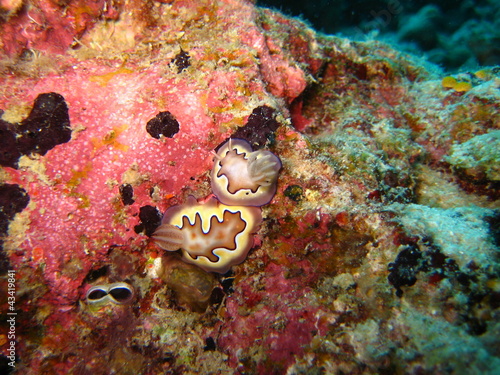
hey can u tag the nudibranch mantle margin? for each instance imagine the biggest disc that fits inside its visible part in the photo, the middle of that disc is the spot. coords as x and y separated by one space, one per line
241 176
212 235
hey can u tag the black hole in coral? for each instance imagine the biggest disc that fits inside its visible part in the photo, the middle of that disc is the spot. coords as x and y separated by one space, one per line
46 126
127 194
181 60
260 126
93 275
168 357
403 271
164 123
150 220
227 285
217 296
120 294
96 295
209 344
476 326
9 154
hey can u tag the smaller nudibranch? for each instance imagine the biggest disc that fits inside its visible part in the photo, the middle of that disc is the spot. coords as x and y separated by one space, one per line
212 236
242 176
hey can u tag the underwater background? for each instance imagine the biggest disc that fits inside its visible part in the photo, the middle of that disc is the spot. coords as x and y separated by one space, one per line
452 34
241 187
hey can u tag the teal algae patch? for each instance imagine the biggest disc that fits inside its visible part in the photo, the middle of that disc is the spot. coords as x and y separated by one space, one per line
480 154
462 233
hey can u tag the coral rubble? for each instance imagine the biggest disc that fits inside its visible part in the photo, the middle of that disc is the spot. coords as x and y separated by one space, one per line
378 253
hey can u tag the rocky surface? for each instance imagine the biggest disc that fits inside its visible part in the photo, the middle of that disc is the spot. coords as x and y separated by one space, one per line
378 254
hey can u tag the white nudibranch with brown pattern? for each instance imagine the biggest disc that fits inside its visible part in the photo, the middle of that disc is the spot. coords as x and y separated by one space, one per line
242 176
212 236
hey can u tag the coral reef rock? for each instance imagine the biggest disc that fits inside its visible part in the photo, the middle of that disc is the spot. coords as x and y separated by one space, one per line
378 253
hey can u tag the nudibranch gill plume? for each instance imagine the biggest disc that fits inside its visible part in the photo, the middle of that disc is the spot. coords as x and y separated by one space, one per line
212 235
241 176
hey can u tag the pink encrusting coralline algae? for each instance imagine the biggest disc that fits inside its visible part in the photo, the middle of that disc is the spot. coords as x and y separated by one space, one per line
365 232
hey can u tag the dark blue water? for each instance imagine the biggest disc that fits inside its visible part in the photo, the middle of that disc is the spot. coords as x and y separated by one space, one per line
453 34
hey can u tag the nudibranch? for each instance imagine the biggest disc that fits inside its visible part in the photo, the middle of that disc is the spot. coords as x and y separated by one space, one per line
212 235
242 176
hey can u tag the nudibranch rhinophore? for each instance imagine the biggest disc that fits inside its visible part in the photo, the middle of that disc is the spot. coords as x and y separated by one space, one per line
212 236
243 177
